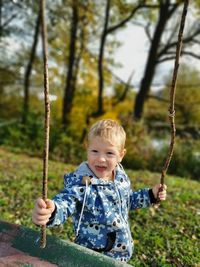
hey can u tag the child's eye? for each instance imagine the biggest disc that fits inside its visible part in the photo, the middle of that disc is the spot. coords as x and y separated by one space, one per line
110 153
94 150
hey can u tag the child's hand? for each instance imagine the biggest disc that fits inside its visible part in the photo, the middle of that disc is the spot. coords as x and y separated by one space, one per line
162 194
42 211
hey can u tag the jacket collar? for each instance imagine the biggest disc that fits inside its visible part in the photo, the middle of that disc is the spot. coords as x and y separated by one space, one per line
84 170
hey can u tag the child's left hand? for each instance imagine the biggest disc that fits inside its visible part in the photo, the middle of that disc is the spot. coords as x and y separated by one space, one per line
160 195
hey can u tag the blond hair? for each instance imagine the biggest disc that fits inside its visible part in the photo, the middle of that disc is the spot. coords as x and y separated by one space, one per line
109 130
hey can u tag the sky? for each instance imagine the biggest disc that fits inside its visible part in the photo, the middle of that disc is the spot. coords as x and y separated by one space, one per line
133 55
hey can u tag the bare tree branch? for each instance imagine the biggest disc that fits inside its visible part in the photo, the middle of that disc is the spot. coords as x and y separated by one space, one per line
169 44
178 105
124 21
147 31
165 51
196 41
189 53
9 20
194 31
126 88
173 53
166 59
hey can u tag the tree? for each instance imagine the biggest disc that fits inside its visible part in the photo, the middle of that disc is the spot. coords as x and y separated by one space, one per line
165 12
163 49
9 12
13 16
29 67
78 39
122 19
70 88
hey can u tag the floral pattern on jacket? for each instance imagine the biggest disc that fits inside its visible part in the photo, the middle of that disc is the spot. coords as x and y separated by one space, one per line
100 210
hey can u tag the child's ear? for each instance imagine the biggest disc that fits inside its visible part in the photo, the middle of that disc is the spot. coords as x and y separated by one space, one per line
122 154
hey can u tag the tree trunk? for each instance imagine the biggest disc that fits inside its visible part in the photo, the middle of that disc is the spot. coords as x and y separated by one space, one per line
164 15
106 31
100 108
29 69
1 30
70 86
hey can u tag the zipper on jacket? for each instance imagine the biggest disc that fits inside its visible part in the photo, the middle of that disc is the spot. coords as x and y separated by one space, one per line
121 215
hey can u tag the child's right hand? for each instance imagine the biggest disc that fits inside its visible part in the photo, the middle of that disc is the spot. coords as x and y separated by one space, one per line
42 211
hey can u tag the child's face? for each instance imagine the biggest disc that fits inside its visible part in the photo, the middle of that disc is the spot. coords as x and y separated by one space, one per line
103 157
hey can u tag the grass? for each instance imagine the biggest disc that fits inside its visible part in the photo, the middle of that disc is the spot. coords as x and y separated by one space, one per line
166 236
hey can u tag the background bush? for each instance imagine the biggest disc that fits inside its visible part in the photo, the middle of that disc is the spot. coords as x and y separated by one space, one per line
145 150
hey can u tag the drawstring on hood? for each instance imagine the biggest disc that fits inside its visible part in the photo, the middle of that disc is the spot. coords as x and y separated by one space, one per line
83 206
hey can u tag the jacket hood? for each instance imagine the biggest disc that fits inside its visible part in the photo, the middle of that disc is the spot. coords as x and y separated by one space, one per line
76 178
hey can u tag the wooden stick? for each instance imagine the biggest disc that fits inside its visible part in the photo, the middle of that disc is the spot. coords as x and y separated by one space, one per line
172 93
47 115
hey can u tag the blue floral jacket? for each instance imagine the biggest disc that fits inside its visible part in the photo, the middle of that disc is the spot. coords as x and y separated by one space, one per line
100 210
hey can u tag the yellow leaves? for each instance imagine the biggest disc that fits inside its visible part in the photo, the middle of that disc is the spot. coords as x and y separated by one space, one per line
194 237
182 230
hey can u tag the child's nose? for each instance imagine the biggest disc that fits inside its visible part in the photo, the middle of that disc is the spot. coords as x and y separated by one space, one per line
102 158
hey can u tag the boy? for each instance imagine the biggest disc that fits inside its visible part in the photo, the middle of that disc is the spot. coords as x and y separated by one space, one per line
98 196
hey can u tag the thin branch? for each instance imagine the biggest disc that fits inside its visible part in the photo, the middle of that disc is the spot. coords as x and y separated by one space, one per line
191 54
185 41
125 20
173 53
9 20
161 99
147 31
169 44
165 59
127 87
172 93
196 41
47 114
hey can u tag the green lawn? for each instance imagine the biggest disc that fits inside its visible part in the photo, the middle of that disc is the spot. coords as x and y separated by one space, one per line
166 236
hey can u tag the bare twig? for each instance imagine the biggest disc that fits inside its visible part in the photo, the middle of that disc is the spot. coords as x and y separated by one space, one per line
47 115
126 88
172 94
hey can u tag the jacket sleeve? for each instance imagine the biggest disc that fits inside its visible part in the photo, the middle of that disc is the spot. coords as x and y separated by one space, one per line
66 201
140 199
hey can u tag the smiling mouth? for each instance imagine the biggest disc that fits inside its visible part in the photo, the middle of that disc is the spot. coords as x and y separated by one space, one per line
100 168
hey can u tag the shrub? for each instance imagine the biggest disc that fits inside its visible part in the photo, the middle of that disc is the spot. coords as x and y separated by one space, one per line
67 149
145 151
142 153
186 159
27 137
